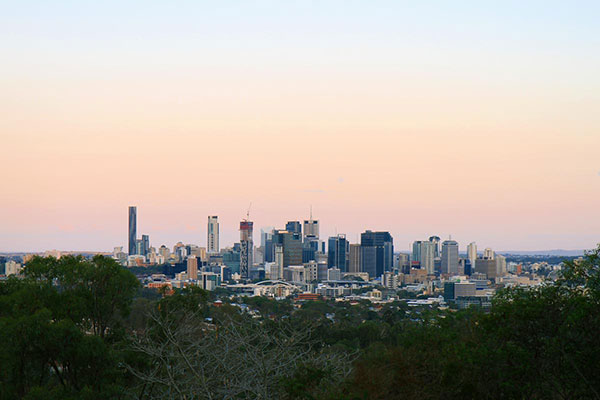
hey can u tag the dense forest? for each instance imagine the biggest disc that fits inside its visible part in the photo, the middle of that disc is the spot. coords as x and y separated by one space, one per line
84 329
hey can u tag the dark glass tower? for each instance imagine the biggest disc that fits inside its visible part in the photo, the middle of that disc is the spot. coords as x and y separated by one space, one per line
132 229
377 252
338 253
292 246
293 226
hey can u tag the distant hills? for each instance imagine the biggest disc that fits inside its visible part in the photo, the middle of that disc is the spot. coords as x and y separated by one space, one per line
557 252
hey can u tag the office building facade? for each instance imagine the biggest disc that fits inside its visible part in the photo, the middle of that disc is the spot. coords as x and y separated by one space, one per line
450 257
377 252
337 252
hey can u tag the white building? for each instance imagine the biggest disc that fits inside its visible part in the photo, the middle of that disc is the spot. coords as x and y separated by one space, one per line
472 252
12 268
213 234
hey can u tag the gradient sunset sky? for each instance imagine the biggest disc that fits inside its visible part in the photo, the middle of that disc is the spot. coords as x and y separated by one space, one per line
475 119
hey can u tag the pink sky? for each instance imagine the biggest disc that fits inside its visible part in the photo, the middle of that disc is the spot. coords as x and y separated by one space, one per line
498 145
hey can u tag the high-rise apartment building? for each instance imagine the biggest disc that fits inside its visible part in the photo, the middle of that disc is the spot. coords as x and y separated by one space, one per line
246 248
164 252
192 268
377 252
212 244
132 233
450 257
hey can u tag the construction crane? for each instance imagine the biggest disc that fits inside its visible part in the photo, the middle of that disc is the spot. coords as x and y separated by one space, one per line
248 212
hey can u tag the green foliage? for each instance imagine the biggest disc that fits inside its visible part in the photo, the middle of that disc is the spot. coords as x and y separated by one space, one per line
57 326
68 326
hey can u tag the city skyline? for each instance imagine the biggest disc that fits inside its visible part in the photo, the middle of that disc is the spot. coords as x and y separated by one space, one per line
232 236
132 240
478 121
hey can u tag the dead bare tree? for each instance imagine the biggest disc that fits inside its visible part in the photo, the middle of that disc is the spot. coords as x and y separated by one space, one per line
190 359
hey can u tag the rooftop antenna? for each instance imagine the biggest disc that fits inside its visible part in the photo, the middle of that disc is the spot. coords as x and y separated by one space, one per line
311 213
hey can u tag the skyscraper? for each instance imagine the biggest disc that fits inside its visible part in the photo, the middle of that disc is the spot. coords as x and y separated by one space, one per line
310 248
293 226
355 262
192 267
436 242
450 257
212 243
145 245
424 253
377 252
472 252
500 265
132 234
291 246
311 227
266 242
246 248
337 252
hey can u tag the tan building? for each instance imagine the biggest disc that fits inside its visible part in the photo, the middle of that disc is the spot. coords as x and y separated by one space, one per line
355 264
192 267
415 276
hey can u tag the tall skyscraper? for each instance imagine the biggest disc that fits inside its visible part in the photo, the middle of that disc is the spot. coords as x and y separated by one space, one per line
310 248
212 243
294 227
132 234
145 245
266 242
450 257
436 242
291 246
416 251
500 265
311 227
266 233
472 252
489 254
246 248
424 253
377 252
337 252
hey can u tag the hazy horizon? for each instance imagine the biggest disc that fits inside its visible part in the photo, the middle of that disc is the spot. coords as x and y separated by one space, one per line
440 118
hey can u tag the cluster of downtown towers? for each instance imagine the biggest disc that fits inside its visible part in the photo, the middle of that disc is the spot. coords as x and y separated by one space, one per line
299 243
